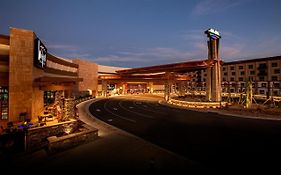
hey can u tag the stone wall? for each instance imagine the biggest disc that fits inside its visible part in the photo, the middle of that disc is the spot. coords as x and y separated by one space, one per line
37 137
69 109
56 144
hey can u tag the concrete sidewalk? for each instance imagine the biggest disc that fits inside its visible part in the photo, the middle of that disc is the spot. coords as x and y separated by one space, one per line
114 150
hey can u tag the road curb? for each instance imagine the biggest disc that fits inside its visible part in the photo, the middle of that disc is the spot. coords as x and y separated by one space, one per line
220 112
123 132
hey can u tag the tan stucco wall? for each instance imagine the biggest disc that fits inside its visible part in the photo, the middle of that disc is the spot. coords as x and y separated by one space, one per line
109 69
37 103
89 72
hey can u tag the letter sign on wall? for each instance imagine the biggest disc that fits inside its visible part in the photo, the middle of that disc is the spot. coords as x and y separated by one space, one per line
40 54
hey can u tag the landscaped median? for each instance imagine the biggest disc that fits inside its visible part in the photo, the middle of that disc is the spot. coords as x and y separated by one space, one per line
194 104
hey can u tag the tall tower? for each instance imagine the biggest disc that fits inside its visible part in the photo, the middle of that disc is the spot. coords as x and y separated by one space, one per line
213 84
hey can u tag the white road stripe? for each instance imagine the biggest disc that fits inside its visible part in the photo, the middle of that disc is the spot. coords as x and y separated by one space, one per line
146 116
124 118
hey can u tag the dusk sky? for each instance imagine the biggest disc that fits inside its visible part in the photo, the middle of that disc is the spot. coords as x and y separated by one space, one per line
136 33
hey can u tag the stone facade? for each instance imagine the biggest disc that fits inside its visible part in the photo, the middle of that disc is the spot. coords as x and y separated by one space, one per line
20 73
69 109
37 137
56 144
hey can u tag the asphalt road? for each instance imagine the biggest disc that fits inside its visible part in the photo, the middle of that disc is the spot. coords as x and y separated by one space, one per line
217 142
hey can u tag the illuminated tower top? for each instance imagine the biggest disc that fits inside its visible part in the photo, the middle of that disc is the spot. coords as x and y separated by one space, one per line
213 34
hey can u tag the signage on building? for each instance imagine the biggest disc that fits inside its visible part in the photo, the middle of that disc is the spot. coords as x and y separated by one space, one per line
212 33
40 54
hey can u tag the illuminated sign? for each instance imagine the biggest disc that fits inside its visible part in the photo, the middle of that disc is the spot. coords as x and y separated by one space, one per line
213 34
40 54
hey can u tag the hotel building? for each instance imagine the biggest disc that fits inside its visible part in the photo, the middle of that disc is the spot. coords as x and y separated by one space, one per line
31 77
263 72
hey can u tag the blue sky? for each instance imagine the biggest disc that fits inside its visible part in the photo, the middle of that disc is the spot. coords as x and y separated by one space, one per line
136 33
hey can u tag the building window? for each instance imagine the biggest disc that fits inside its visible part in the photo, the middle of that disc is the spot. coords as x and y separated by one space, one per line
251 66
204 79
276 85
261 91
205 75
4 94
274 78
240 67
223 68
232 73
277 71
231 79
252 72
242 84
261 78
223 79
242 73
225 73
251 78
232 90
263 85
241 79
232 68
274 64
262 66
275 93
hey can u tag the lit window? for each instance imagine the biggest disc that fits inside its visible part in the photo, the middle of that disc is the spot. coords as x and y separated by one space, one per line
274 78
274 64
277 71
4 103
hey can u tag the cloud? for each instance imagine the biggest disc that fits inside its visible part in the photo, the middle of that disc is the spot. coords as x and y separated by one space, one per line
63 47
147 57
68 51
191 35
117 58
206 7
230 52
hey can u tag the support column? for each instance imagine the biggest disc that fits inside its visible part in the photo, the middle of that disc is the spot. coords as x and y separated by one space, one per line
209 84
213 90
150 85
249 94
181 88
167 90
124 89
68 109
104 88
